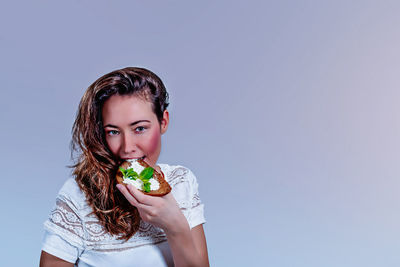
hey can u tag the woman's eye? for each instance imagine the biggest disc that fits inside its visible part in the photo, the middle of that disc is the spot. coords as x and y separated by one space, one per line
112 132
140 129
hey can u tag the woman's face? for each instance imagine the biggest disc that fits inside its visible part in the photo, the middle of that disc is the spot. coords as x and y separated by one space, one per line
132 129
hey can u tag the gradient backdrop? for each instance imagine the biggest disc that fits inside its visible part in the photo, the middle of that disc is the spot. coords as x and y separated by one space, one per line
287 112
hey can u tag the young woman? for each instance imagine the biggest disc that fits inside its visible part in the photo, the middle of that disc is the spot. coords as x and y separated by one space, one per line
95 222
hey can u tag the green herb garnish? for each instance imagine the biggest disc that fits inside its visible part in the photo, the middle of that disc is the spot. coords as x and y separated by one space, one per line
146 186
129 173
144 176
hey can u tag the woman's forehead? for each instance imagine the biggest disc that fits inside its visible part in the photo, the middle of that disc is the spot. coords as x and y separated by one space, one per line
126 108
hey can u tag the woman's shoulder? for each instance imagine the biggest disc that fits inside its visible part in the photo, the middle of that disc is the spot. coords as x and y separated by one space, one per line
178 176
71 191
173 172
186 192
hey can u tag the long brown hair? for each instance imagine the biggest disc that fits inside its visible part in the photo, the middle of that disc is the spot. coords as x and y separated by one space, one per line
94 165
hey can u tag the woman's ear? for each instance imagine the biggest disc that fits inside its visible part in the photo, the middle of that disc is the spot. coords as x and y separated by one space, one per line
164 122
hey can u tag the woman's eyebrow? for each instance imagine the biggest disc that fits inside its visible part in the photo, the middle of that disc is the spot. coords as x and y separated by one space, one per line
132 124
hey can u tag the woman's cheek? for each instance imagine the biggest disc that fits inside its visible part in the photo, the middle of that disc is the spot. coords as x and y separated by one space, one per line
154 142
112 145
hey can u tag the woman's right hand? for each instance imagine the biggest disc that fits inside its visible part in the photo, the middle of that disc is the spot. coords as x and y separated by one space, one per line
162 212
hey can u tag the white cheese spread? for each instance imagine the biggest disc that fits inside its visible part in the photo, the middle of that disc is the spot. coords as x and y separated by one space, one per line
154 184
135 165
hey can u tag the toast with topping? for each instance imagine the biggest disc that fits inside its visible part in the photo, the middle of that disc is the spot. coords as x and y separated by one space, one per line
144 177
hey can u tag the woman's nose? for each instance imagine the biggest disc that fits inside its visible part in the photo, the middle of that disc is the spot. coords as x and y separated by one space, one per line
129 145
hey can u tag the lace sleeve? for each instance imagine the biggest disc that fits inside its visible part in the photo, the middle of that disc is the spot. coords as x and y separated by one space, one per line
196 214
186 192
64 236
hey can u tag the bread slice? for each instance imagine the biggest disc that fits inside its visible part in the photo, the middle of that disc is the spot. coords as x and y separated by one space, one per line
164 187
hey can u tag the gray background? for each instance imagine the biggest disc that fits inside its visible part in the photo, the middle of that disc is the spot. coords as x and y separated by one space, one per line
286 111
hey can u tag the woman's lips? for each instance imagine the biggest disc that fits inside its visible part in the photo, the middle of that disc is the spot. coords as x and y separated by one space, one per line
142 158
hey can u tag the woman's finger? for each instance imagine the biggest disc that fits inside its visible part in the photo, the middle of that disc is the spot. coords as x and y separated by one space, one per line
128 196
140 197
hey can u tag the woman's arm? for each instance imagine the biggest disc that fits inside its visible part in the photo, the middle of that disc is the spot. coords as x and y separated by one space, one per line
189 249
200 242
188 246
48 260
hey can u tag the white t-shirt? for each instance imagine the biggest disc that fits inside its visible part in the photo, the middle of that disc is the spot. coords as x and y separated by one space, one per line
75 235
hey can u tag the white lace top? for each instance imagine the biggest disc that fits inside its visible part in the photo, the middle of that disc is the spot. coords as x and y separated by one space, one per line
75 235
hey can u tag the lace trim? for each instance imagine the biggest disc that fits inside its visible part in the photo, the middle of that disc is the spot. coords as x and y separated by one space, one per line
64 217
120 248
196 201
100 240
178 176
94 235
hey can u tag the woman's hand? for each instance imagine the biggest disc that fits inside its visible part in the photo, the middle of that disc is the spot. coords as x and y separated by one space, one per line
162 212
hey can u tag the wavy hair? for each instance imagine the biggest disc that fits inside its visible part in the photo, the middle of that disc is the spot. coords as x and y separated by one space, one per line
94 165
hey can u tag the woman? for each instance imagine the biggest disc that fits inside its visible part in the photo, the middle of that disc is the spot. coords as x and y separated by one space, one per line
95 222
